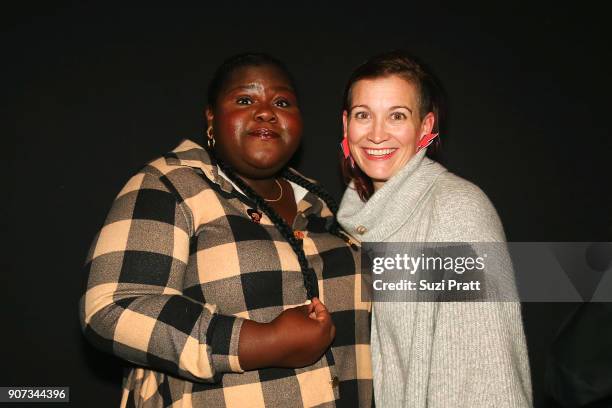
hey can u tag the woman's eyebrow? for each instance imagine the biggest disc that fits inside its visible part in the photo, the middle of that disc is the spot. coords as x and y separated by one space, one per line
358 106
391 108
401 107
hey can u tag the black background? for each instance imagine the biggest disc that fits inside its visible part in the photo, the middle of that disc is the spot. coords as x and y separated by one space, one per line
93 92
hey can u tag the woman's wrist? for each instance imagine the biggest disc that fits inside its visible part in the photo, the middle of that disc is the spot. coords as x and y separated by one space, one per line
258 346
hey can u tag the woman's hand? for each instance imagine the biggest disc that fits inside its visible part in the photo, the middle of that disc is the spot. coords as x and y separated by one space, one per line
304 333
296 338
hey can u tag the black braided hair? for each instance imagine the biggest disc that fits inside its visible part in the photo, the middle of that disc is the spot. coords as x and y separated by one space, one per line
308 273
334 228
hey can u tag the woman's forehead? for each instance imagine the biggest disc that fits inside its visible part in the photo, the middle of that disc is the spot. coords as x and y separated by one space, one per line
383 91
258 77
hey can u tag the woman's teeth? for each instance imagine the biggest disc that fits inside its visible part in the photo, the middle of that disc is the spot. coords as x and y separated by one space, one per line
379 152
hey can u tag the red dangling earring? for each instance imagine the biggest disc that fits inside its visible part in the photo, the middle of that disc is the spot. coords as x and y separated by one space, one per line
346 152
426 140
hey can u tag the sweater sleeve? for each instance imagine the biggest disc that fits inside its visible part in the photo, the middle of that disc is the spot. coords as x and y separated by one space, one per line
134 306
479 353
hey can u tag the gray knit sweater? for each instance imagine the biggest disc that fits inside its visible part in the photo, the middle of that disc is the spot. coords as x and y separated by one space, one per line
439 354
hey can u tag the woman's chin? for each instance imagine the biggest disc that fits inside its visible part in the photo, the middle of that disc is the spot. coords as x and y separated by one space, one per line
267 167
377 174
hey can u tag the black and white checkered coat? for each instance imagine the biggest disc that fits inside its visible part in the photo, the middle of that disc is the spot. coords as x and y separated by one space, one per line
179 265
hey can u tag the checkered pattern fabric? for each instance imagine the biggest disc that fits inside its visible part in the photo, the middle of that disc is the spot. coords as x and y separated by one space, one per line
177 267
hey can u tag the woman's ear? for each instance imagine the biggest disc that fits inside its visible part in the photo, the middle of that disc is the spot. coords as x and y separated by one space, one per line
208 112
427 124
344 124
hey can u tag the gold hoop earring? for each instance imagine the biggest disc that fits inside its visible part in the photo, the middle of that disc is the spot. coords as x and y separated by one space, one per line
211 138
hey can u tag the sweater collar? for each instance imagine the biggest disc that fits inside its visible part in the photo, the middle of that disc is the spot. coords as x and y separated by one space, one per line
393 204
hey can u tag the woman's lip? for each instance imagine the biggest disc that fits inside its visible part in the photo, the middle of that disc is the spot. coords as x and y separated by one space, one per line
264 133
379 156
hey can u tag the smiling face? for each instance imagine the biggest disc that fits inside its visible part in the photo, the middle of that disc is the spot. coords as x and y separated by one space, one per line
384 126
256 121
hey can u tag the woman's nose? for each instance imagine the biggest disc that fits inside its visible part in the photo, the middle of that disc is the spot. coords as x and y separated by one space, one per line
265 114
378 134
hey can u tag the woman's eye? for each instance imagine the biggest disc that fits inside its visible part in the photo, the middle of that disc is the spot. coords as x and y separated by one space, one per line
398 116
362 115
244 100
282 103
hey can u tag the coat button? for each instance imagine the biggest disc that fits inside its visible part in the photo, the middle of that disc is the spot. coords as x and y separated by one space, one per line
361 230
335 382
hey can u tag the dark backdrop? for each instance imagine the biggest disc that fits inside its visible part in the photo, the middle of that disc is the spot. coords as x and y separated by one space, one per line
94 92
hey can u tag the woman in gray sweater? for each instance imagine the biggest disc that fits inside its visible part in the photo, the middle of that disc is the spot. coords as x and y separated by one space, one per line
424 354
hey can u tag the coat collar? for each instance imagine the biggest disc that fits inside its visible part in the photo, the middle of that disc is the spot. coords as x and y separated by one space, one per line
190 154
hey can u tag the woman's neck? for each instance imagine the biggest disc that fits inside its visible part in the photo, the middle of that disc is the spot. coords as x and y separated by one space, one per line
267 188
377 185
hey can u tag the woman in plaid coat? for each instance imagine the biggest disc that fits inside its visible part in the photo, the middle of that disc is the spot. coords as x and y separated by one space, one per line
222 274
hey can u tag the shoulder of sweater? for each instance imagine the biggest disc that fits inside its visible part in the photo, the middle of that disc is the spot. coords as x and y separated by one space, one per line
454 190
463 211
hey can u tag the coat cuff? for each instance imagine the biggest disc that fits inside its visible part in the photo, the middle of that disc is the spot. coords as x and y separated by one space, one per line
224 340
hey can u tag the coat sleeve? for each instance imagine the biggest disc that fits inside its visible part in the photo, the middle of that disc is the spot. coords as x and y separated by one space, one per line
479 352
133 305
